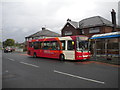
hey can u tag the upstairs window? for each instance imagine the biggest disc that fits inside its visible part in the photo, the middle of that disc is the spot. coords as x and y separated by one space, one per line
94 30
68 32
83 31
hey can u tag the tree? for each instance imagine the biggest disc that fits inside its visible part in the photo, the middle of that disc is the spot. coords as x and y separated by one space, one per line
9 42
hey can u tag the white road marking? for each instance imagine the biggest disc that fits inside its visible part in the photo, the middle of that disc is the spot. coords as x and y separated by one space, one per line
29 64
79 77
11 59
6 71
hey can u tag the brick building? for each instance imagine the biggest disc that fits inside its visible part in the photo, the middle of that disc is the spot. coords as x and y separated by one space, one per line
88 27
92 26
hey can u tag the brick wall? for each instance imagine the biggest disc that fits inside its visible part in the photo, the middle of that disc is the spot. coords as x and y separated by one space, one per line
86 31
69 28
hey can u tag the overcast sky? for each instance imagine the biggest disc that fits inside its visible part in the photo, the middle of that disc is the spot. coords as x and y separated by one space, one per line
21 18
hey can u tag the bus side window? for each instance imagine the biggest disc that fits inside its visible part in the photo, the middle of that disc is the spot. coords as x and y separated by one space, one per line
63 45
36 45
70 45
40 45
46 45
55 45
30 44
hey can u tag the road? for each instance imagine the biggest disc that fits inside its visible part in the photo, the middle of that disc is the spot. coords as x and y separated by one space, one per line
22 71
0 69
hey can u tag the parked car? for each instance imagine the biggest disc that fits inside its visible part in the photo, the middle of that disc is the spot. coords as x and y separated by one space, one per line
7 49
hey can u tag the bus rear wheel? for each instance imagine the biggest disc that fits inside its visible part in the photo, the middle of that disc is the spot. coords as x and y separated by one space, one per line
62 57
35 55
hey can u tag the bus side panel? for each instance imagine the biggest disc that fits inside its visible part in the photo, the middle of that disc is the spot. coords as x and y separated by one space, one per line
30 51
54 54
38 53
50 53
70 55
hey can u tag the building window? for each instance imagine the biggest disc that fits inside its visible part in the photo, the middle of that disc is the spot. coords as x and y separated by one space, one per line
94 30
83 31
68 33
67 25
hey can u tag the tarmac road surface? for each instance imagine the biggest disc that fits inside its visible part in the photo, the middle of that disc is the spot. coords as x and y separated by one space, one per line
22 71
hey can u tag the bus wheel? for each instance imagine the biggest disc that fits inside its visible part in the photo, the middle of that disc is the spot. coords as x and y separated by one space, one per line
62 57
34 55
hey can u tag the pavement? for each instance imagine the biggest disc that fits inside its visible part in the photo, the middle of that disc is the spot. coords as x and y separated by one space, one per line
109 60
23 71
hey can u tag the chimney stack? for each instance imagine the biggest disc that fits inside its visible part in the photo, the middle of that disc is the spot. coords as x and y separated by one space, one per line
68 19
43 28
113 14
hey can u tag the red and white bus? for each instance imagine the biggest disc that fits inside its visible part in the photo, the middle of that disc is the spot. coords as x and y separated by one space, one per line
63 48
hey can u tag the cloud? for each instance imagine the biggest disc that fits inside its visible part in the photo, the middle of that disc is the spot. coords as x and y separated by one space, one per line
24 17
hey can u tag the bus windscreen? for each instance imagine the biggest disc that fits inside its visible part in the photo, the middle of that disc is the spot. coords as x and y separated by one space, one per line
81 44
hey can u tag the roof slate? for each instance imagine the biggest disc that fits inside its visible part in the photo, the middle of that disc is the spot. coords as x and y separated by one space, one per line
75 24
94 21
44 32
91 22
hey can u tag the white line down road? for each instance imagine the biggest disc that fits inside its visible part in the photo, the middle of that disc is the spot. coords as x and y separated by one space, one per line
29 64
11 59
92 80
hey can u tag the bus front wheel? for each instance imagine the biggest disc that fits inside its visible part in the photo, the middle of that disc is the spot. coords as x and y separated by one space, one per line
62 57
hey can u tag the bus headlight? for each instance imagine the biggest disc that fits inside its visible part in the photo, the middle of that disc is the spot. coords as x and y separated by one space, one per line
85 55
